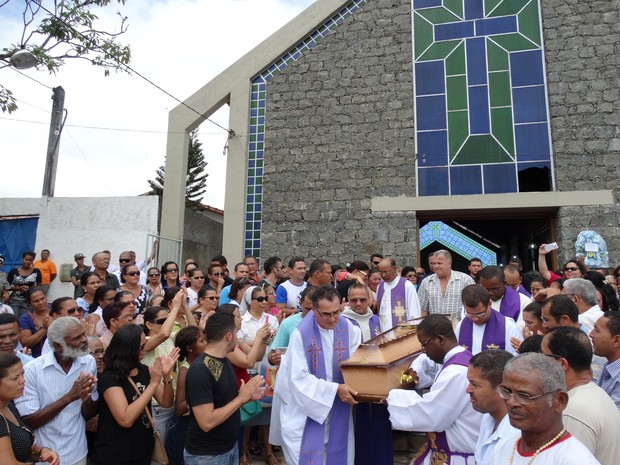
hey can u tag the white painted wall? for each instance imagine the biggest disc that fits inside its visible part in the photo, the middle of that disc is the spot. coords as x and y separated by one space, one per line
87 225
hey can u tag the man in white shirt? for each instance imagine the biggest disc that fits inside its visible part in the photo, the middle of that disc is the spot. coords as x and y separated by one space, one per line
57 399
534 389
445 412
397 298
287 293
583 293
484 375
591 416
128 258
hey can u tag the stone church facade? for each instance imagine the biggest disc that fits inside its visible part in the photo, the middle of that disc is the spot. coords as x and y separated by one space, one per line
351 146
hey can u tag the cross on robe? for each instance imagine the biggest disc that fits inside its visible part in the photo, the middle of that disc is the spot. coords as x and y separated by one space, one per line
339 349
399 311
315 350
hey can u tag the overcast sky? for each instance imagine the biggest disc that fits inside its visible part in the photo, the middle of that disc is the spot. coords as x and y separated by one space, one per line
180 45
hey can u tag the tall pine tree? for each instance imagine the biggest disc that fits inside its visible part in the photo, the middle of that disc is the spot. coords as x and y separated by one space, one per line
196 180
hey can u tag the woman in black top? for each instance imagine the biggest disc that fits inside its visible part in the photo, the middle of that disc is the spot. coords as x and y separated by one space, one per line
16 440
21 279
124 433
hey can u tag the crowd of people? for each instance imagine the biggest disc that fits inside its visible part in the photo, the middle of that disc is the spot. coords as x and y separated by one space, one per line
221 367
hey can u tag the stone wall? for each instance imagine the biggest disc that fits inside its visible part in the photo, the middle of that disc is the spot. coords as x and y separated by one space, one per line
202 237
582 41
339 131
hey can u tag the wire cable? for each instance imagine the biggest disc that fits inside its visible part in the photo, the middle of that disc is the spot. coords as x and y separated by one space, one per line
100 128
31 78
231 133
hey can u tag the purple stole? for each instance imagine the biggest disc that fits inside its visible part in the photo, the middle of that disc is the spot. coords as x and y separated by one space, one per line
398 301
313 439
522 290
494 336
511 303
437 442
374 325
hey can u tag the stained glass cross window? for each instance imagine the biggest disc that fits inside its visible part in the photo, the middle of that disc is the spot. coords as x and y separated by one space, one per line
482 123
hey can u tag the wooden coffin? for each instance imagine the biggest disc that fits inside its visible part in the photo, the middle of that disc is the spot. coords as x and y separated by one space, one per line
378 364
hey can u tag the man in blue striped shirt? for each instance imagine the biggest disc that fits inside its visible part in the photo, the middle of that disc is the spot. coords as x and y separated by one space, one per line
606 341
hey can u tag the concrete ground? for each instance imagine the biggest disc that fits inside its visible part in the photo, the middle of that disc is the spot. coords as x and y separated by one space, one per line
405 446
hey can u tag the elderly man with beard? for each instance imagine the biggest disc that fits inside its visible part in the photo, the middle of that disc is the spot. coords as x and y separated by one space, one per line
57 399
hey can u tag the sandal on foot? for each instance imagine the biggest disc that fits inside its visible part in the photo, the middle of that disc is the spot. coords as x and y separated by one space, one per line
272 460
255 450
244 460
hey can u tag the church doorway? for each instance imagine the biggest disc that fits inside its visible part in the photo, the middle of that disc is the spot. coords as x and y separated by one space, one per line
493 238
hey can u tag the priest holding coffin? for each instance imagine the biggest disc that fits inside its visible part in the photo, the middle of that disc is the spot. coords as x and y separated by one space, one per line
484 328
445 413
311 415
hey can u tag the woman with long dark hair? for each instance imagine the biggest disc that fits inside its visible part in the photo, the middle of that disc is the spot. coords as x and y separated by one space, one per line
237 288
104 296
130 279
196 279
33 325
170 275
153 281
21 279
191 343
184 317
158 324
16 440
90 282
124 433
207 303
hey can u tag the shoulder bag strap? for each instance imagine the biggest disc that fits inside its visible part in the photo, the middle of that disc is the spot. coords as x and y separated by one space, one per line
146 409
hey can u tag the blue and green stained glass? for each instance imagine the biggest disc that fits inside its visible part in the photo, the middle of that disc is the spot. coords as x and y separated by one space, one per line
447 236
482 123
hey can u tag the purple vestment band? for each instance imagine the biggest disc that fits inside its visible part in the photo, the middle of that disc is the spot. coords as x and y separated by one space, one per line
313 440
437 442
398 297
511 303
494 336
523 291
374 325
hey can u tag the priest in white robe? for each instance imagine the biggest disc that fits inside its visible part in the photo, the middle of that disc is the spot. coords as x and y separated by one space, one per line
397 298
484 328
311 414
445 413
504 298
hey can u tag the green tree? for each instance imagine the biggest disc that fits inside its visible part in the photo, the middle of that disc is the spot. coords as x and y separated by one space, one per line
58 30
196 180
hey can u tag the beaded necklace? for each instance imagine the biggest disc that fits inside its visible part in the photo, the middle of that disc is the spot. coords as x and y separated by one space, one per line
540 449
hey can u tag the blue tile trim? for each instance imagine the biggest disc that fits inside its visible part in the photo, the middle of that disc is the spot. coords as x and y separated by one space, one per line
258 98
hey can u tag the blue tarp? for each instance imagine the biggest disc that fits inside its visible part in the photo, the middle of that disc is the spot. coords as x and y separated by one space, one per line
16 236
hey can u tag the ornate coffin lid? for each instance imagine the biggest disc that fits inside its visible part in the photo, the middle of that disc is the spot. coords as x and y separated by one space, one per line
388 347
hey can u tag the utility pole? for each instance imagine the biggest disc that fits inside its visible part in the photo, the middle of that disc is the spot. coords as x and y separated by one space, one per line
53 142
